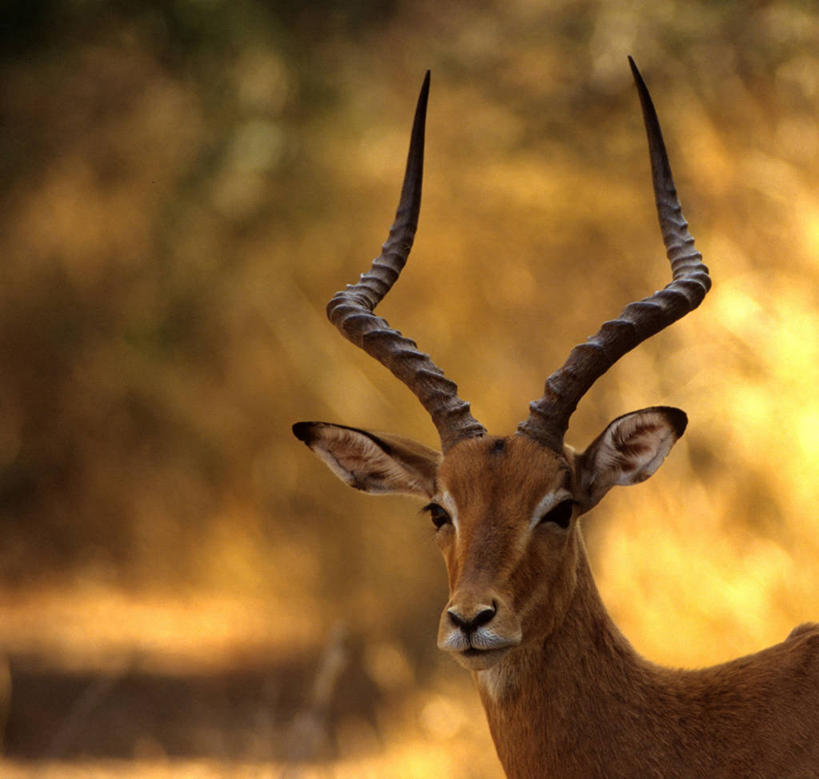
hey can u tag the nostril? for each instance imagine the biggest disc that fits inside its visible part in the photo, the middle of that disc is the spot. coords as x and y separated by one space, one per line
484 615
456 620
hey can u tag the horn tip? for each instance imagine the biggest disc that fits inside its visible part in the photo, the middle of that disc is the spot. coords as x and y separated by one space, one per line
635 71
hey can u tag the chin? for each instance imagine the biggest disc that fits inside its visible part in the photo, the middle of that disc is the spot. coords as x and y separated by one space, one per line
480 659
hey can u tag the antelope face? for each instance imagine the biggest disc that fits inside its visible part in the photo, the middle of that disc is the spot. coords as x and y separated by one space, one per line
505 511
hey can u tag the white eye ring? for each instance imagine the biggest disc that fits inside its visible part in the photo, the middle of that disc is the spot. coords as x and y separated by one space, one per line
550 500
445 501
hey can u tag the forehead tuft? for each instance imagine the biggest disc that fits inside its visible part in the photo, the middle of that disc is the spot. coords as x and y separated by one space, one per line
491 461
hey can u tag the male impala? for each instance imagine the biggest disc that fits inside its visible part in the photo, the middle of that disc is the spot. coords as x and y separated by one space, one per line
564 692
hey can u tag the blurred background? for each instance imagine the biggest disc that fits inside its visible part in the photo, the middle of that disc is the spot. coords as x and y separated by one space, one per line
184 589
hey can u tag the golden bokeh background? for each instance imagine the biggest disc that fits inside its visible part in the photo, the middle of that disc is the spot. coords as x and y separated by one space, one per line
184 589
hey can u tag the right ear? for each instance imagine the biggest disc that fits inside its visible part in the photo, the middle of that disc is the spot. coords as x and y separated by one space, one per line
628 451
378 464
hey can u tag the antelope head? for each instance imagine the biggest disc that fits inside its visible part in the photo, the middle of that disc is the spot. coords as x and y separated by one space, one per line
506 508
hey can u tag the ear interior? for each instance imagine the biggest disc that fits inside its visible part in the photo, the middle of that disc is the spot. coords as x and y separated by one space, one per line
629 450
375 463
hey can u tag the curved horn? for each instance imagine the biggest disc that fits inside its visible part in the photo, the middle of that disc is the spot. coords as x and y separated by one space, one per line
549 417
351 309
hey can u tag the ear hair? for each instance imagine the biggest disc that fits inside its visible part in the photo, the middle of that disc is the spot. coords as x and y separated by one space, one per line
628 451
375 463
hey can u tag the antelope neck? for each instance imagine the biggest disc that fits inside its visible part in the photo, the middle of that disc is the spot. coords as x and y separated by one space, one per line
559 693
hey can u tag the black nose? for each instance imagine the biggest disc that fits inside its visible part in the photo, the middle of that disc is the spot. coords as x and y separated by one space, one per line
471 624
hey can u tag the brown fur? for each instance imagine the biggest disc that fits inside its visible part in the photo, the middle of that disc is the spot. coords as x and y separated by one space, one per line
564 692
583 703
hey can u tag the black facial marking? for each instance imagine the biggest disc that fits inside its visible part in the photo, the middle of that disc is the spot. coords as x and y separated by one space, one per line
304 432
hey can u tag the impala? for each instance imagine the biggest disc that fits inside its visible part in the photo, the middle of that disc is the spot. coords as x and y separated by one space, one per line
564 692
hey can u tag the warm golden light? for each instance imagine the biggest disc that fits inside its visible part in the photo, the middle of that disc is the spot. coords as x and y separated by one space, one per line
184 590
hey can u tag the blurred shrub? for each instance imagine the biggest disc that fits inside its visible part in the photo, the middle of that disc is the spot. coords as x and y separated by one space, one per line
186 183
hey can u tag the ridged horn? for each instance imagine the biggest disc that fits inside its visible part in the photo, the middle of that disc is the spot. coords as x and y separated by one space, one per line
549 416
351 309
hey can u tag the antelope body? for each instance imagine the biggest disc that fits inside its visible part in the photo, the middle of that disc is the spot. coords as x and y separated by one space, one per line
564 692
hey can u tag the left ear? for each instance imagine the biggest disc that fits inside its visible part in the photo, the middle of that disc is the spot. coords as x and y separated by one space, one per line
627 452
378 463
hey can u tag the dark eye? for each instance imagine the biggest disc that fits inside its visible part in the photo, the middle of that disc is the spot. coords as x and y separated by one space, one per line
561 514
438 514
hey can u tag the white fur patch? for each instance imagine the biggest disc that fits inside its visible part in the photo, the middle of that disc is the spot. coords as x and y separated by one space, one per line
494 681
448 502
548 502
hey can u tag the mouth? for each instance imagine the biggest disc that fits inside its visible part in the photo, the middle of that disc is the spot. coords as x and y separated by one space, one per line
475 646
473 652
479 659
